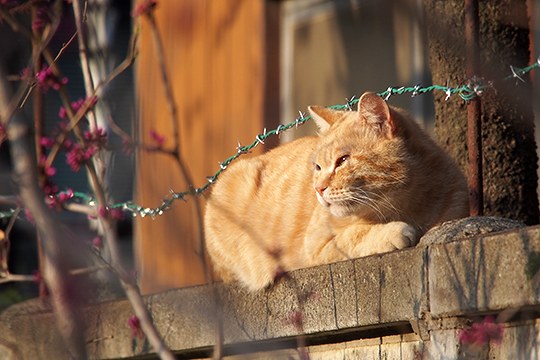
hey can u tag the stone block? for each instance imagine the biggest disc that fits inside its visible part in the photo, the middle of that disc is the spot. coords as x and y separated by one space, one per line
519 341
489 273
314 301
27 331
442 345
302 302
343 283
391 287
368 290
331 303
403 284
468 228
186 319
245 314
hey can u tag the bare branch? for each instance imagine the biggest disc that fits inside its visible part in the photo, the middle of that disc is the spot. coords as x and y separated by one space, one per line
83 55
81 209
55 246
9 199
130 288
17 278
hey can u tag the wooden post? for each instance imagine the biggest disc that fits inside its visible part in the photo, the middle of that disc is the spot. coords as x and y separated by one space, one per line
215 53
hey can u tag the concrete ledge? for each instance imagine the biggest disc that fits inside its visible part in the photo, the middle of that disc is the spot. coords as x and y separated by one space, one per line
422 290
489 273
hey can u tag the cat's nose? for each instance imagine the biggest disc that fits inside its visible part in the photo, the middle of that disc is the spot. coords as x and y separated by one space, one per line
320 190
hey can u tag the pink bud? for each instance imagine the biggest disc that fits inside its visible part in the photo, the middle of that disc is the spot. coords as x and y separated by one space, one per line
37 277
49 171
296 319
46 142
102 211
157 138
144 7
135 326
65 196
26 74
116 213
29 216
97 242
482 333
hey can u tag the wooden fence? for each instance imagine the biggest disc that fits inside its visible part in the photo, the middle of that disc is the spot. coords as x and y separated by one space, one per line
219 61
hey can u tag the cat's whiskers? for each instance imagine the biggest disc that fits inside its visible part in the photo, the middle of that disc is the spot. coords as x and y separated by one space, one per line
364 199
383 178
381 200
385 201
388 181
391 179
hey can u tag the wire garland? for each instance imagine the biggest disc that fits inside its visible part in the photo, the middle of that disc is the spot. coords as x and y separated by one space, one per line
474 87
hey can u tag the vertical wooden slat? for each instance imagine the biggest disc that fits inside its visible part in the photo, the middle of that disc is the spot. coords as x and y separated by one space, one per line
215 58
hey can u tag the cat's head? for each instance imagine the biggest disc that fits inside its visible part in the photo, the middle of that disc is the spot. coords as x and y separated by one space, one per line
360 162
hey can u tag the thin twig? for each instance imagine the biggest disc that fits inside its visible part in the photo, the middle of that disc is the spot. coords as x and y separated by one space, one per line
88 270
81 209
75 119
64 47
106 223
32 278
4 253
171 103
17 278
9 199
83 56
55 245
12 221
130 288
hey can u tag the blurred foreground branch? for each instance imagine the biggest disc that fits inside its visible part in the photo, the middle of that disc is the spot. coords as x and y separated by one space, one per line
56 247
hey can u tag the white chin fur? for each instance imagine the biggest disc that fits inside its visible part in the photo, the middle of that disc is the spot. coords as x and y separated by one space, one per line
322 201
339 211
336 210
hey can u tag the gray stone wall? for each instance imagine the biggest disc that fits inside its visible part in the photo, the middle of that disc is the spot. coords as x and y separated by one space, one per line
410 304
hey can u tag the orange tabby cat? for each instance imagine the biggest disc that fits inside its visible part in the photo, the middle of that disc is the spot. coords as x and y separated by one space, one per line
372 182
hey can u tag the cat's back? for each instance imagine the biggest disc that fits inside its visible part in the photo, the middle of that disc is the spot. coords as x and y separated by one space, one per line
257 213
263 196
254 178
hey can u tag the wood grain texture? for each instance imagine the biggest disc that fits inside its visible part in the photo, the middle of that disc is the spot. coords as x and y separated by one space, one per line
215 56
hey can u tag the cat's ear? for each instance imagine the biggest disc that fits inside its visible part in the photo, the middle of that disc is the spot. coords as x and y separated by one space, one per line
375 112
323 117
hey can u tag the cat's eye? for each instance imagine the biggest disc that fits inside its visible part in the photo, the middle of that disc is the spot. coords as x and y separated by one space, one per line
341 160
317 167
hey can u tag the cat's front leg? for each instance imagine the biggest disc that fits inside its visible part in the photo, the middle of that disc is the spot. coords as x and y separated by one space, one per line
381 238
327 245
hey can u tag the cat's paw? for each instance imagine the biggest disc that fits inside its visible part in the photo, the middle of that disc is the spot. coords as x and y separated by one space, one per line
401 235
392 236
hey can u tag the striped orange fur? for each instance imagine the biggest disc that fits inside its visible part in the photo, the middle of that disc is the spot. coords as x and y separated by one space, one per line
371 182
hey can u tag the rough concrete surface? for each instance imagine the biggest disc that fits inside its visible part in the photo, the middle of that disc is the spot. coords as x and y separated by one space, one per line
467 228
434 288
492 272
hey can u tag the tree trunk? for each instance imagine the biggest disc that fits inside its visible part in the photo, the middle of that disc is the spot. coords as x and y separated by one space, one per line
509 148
